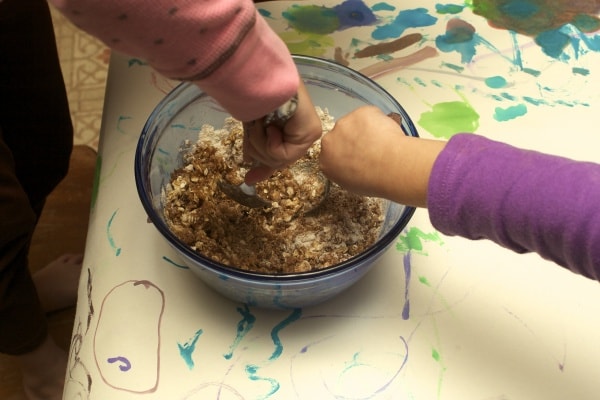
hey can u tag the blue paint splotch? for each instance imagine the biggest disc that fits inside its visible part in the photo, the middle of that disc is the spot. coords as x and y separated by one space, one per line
187 349
243 327
354 13
415 18
506 114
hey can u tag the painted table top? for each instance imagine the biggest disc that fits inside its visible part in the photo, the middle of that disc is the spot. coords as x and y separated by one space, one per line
439 317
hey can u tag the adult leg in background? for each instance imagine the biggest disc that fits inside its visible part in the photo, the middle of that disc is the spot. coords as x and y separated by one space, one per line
35 145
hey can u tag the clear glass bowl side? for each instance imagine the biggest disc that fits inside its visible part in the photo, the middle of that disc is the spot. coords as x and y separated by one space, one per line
177 120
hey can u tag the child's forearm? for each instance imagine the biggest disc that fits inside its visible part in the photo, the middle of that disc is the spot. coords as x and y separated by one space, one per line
409 166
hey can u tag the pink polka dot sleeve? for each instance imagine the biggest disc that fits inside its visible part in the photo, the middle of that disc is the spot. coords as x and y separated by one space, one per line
224 46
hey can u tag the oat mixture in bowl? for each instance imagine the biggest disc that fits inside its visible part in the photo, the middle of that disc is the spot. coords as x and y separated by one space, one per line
266 274
280 239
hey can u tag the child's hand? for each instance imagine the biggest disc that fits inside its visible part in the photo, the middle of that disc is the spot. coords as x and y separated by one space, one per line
273 148
368 153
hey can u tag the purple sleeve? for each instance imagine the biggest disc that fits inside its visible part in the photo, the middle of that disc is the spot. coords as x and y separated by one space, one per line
523 200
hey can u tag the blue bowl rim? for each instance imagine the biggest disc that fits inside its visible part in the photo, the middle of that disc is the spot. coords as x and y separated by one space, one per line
381 245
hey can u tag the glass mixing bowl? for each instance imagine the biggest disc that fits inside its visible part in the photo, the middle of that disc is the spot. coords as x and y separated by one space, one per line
178 118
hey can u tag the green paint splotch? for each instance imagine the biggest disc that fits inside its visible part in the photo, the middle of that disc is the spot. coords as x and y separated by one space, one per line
311 25
325 20
312 19
448 118
449 8
414 238
309 44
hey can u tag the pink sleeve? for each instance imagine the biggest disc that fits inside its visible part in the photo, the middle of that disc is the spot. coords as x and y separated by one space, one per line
224 46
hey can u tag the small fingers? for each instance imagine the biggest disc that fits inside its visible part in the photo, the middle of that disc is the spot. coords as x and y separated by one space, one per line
258 173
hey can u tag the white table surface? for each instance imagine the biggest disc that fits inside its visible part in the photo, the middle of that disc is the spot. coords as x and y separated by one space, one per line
438 318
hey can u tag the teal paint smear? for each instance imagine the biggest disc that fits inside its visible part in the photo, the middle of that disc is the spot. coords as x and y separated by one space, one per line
352 363
135 61
243 327
294 316
495 82
520 9
506 114
420 82
252 370
580 71
449 8
414 238
547 22
448 118
383 7
265 13
532 72
508 96
167 259
111 240
187 349
553 42
517 57
454 67
459 37
120 120
586 23
535 102
415 18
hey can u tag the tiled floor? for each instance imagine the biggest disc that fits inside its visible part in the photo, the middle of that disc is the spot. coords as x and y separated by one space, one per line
84 62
